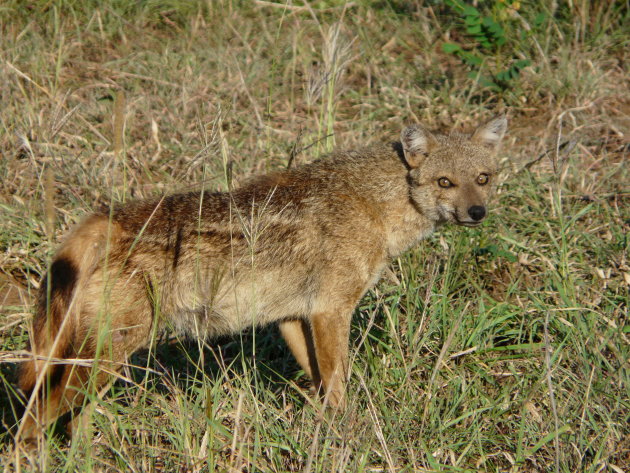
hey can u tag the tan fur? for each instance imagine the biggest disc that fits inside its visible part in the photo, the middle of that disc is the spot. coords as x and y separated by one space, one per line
299 247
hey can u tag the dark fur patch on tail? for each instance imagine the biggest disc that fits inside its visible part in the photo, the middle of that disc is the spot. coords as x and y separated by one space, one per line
63 277
55 293
57 371
56 375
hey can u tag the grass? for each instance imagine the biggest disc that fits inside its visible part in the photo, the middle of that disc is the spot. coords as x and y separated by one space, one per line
496 349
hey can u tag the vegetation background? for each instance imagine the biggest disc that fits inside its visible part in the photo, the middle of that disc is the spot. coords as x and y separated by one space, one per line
496 349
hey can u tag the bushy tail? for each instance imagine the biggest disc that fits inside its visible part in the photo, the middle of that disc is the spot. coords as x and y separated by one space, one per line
58 310
52 325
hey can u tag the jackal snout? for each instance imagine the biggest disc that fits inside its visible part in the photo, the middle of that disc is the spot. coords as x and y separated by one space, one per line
466 204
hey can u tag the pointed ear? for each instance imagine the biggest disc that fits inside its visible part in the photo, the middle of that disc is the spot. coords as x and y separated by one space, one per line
491 133
417 143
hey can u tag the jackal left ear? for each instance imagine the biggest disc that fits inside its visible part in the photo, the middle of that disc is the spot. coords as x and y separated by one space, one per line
417 143
491 133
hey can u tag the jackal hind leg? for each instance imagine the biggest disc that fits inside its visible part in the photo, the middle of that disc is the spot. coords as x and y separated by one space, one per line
299 338
129 331
100 346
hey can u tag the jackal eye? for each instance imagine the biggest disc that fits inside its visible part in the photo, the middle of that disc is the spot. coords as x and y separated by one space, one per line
444 182
483 179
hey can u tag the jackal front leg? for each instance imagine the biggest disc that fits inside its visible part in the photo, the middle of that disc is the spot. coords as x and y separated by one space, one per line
299 338
330 334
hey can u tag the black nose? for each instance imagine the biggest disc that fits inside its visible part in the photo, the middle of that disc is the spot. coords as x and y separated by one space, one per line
477 212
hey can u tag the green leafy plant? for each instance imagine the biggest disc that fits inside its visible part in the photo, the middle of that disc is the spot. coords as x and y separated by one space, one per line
489 41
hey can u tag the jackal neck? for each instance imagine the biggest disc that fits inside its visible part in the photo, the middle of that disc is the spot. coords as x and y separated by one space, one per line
378 176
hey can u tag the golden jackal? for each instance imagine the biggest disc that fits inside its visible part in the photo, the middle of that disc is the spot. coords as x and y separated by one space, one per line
299 247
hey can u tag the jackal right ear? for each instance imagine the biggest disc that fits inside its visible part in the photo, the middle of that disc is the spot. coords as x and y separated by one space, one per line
417 143
491 133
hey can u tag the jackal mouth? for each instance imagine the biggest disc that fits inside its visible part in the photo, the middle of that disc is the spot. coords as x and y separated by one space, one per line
466 223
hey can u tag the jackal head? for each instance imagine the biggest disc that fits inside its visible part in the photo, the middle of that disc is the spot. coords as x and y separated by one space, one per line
450 177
